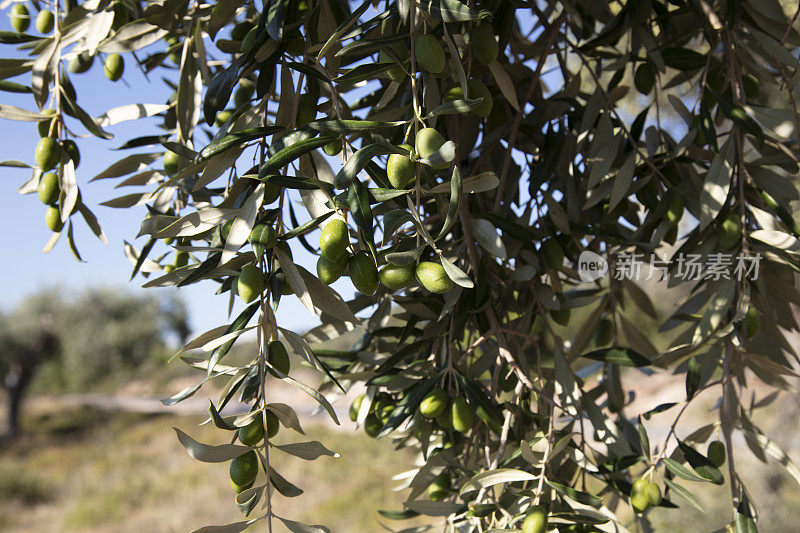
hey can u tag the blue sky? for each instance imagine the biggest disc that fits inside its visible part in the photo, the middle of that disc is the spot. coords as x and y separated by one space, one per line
24 233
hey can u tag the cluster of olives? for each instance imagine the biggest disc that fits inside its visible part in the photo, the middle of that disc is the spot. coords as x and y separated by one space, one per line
436 406
244 468
644 494
459 416
362 270
113 66
21 19
47 157
430 52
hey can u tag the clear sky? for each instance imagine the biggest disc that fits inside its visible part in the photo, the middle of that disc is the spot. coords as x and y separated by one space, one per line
24 233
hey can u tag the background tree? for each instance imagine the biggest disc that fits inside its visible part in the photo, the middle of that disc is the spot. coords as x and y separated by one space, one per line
24 346
481 145
77 342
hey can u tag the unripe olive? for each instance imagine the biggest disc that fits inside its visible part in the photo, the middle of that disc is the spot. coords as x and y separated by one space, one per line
171 162
222 117
278 357
372 425
20 18
333 147
283 286
716 453
47 153
329 271
272 424
334 239
433 277
244 468
400 170
243 94
251 283
674 210
461 415
355 407
553 254
262 238
729 231
80 63
44 126
751 323
306 109
240 488
52 218
434 403
252 433
363 273
444 420
72 150
396 277
45 21
181 258
438 489
535 520
428 142
640 500
429 53
653 494
644 79
477 89
396 73
484 44
114 66
49 189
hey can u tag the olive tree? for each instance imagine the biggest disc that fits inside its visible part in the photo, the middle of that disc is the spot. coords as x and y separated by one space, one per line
483 171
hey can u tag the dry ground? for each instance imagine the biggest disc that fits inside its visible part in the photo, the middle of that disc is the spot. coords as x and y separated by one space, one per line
83 469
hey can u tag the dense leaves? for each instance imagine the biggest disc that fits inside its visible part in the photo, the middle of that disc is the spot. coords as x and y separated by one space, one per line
496 151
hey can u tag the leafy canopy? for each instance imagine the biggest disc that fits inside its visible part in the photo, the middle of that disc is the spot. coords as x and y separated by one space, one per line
532 132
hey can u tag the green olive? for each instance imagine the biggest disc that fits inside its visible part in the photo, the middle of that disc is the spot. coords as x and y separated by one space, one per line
433 277
751 323
400 170
278 358
429 53
52 218
363 273
44 126
114 66
729 231
251 283
334 239
484 44
329 271
535 520
461 416
47 153
244 469
396 277
20 18
716 453
45 21
434 403
49 189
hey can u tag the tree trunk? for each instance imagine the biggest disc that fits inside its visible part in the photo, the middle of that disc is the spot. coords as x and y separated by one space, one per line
16 389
